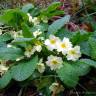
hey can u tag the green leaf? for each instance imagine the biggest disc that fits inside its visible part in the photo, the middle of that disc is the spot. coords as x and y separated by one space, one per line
24 70
6 17
75 37
26 8
52 10
94 34
58 24
70 72
43 82
46 91
13 17
21 40
67 75
2 44
35 12
64 33
5 37
10 53
78 37
53 6
26 31
5 80
85 48
92 43
55 13
89 62
81 68
43 27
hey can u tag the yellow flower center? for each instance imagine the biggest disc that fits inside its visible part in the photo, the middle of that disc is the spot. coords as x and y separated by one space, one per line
72 52
52 41
54 62
38 43
63 45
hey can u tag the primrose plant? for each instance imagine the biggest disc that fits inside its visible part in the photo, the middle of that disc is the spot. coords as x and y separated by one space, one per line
37 48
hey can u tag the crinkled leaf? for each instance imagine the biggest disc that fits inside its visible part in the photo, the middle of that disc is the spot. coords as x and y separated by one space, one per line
42 27
6 17
35 12
43 82
26 31
58 24
89 62
2 44
80 36
10 53
5 80
64 33
50 11
5 37
24 70
13 17
56 13
26 8
70 72
53 6
67 75
23 41
81 68
92 43
85 48
20 40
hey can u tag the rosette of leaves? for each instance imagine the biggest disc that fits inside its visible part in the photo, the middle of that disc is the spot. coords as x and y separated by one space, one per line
25 70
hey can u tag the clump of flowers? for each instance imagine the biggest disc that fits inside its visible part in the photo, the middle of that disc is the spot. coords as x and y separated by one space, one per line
64 46
54 44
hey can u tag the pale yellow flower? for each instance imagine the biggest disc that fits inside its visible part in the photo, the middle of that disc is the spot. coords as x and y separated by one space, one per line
30 17
74 53
41 38
44 19
56 87
29 51
54 62
52 42
38 48
37 33
17 34
41 66
64 46
35 21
